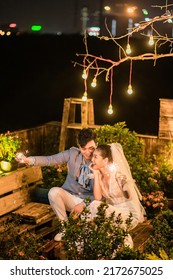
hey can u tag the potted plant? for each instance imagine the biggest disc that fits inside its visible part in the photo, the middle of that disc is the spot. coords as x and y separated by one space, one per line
9 145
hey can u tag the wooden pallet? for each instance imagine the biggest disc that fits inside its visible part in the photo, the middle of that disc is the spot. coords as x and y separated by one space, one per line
141 233
34 213
43 223
16 194
37 217
16 188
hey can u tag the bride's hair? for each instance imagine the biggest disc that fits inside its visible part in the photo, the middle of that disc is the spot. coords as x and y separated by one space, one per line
105 151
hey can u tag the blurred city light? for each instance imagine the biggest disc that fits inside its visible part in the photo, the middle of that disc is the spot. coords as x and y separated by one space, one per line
145 12
131 10
13 25
36 27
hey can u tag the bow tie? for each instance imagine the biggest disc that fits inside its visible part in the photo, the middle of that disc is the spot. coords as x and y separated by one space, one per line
83 177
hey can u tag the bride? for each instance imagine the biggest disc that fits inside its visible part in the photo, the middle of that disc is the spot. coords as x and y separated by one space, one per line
113 182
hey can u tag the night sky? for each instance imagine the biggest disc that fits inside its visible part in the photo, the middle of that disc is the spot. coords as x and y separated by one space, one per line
57 15
37 73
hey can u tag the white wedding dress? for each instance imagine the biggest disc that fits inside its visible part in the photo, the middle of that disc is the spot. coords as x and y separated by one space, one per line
121 200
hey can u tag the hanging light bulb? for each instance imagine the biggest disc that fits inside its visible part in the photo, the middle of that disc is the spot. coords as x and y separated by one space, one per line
84 97
151 40
110 110
84 74
128 49
168 13
94 82
130 90
170 20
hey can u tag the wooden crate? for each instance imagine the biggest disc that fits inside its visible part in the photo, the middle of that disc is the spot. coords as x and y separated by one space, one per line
17 186
16 194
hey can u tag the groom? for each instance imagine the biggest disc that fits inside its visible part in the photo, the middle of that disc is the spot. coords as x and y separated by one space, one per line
77 185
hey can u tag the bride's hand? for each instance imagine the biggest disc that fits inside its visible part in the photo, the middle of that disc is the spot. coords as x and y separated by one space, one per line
123 182
122 178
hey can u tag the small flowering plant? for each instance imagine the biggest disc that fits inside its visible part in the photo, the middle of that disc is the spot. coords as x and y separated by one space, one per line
157 178
166 182
163 177
9 145
154 202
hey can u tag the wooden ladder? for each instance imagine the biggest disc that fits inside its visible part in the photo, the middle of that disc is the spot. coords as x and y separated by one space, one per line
69 115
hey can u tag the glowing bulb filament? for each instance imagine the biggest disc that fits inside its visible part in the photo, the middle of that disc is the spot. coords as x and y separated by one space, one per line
94 82
151 40
128 49
84 97
130 90
110 110
84 75
169 14
170 20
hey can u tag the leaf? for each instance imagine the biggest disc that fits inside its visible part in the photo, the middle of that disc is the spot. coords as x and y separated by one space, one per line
163 255
152 256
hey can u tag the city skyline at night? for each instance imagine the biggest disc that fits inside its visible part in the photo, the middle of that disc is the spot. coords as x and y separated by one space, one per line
66 17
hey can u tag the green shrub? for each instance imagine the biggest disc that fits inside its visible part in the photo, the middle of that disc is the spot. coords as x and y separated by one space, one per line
152 172
162 236
161 171
132 147
17 246
53 176
164 178
100 238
